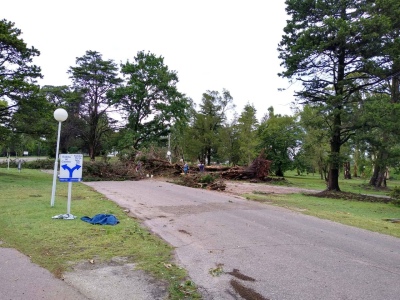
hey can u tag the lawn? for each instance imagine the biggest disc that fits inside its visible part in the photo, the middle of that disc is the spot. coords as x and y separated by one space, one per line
55 244
372 216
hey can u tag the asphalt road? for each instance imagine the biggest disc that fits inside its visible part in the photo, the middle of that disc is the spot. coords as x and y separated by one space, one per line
230 245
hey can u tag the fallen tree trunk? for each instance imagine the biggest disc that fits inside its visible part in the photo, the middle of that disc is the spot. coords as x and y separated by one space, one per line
259 169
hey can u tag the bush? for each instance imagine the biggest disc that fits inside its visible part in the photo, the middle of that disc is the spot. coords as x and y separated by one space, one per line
45 164
208 178
395 195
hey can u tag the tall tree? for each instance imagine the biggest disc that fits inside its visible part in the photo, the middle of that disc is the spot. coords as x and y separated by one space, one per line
280 136
228 150
247 134
17 73
92 80
388 19
149 101
315 144
208 122
334 49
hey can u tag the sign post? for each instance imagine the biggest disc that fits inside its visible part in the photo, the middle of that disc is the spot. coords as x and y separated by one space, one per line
70 171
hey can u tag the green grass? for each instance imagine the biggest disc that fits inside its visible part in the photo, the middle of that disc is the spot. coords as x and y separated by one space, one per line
366 215
27 225
355 185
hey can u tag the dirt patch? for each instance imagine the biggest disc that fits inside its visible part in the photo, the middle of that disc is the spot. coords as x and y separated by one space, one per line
243 187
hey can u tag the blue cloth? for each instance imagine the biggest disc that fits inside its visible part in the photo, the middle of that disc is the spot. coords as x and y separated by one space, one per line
101 219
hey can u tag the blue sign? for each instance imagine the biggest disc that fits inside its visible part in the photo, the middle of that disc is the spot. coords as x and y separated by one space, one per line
71 167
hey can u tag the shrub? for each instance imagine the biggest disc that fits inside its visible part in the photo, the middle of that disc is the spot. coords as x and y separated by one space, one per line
395 195
208 178
47 164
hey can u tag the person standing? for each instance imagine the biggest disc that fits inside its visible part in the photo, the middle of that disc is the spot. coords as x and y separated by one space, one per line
185 168
201 167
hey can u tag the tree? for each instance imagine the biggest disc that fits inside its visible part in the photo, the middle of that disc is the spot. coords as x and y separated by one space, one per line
389 11
208 122
247 134
17 73
315 142
280 136
228 150
92 80
335 49
149 100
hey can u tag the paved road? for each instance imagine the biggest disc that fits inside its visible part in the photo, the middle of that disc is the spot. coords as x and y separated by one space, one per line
21 280
262 250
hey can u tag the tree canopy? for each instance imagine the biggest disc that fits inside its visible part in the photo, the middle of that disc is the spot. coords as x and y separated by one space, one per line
335 49
149 100
92 80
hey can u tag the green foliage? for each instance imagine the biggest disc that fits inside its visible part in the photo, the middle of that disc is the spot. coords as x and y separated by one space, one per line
42 164
280 136
208 178
315 142
149 100
65 243
93 80
22 110
367 215
17 73
247 135
395 194
208 123
337 50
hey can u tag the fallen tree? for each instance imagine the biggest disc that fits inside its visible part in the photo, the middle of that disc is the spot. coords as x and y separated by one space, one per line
259 169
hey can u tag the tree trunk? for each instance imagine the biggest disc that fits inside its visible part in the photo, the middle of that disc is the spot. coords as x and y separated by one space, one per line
355 168
379 175
92 154
346 167
333 176
279 172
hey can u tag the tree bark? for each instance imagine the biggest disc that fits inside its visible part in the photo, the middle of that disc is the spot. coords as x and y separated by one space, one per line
379 175
346 167
333 176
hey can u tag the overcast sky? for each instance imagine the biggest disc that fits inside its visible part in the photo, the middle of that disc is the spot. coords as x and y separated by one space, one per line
212 45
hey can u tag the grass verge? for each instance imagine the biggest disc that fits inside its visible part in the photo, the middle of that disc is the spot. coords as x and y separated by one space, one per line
367 215
27 226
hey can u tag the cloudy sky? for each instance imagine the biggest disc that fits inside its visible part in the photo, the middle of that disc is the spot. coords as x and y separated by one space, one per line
212 45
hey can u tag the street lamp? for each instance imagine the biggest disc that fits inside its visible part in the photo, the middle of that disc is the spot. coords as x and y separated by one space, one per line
169 148
60 115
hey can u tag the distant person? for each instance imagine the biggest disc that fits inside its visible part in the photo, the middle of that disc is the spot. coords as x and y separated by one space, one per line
139 166
201 167
19 165
185 168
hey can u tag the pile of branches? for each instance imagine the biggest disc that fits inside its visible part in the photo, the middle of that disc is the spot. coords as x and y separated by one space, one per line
129 169
259 169
201 180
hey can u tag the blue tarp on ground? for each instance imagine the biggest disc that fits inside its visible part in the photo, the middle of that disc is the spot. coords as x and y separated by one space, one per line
101 219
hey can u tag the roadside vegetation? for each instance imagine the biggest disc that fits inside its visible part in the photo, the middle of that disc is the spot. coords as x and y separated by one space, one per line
56 245
344 124
357 205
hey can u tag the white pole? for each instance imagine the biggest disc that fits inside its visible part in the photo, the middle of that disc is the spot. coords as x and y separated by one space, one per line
69 197
169 147
53 190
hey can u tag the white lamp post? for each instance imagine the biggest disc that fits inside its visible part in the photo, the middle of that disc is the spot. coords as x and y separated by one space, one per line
60 115
169 148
